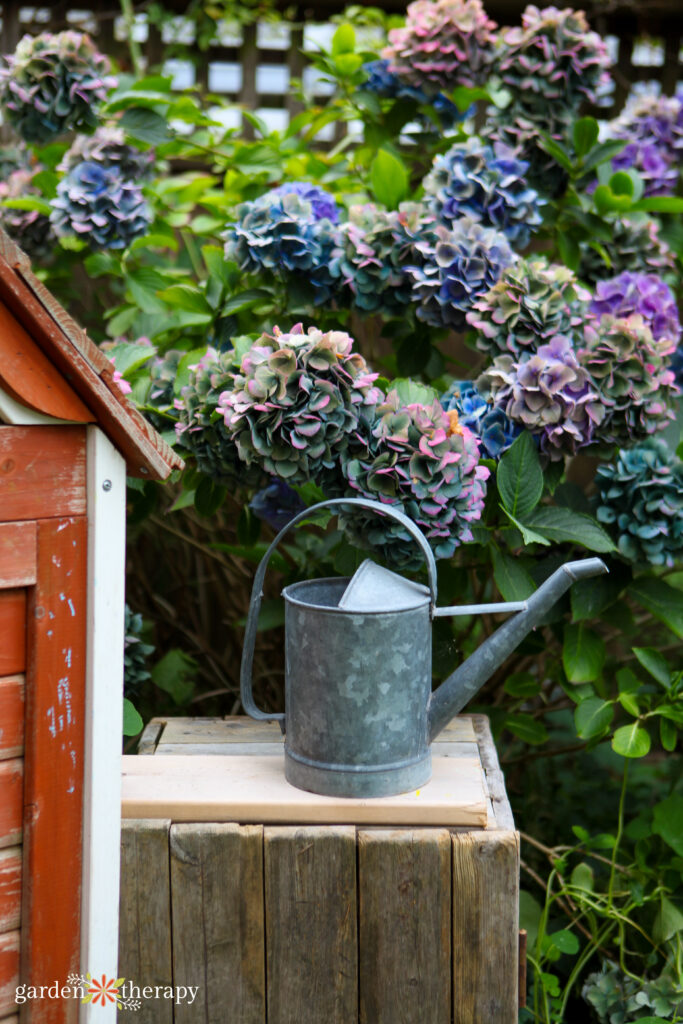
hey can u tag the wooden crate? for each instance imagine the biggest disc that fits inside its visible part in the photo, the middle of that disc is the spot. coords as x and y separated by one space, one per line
400 909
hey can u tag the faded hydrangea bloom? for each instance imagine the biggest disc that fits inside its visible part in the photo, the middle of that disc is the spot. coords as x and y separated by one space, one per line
96 204
54 84
631 372
531 303
107 146
296 400
550 394
635 245
420 459
444 43
30 229
486 183
640 499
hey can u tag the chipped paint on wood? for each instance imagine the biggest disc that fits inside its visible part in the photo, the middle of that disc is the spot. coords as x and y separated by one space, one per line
55 695
42 472
10 889
17 554
11 717
12 631
11 794
9 971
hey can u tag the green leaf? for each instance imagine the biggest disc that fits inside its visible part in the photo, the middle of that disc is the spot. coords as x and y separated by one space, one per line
146 125
520 477
592 717
602 154
245 300
209 496
570 250
343 40
668 921
412 392
464 97
585 135
512 579
143 284
654 662
526 728
528 535
556 151
388 179
529 916
565 941
522 684
128 358
629 703
187 297
662 600
583 653
132 722
590 597
659 204
621 184
182 376
563 525
582 877
607 201
28 203
174 673
668 735
668 822
631 741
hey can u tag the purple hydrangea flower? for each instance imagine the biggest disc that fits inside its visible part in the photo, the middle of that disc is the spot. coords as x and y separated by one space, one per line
652 163
645 294
489 423
322 203
652 118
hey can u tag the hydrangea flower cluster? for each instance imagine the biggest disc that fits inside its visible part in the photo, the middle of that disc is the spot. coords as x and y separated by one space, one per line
420 459
160 407
98 205
658 173
281 232
374 248
201 428
641 501
276 504
635 245
630 370
455 267
653 128
391 86
531 303
645 294
54 84
489 423
107 147
322 202
444 43
550 394
28 228
486 183
296 400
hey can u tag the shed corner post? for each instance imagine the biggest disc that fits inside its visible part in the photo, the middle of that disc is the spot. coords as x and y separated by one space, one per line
106 505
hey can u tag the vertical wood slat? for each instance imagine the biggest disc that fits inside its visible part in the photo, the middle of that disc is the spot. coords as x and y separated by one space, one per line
145 956
311 926
12 631
11 716
218 934
249 58
404 882
9 971
485 927
10 889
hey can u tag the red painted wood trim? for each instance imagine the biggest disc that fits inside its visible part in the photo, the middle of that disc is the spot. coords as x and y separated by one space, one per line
10 889
17 554
42 472
12 631
86 369
54 757
9 971
29 376
11 717
11 793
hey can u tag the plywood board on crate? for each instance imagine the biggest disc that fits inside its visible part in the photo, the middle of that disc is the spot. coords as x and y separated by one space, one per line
252 788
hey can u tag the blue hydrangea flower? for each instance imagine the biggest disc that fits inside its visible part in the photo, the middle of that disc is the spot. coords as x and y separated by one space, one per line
281 234
490 424
455 268
96 204
276 504
393 87
322 202
486 183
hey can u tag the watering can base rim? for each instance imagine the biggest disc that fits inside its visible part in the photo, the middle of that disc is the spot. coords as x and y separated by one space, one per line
380 781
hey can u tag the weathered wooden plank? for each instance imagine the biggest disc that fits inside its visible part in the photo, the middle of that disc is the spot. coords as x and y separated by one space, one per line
495 783
147 744
9 971
218 931
42 471
18 553
233 749
11 801
253 789
30 377
10 888
311 930
485 927
12 631
54 758
404 929
11 717
145 955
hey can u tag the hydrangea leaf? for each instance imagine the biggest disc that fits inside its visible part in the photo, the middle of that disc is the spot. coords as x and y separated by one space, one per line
519 477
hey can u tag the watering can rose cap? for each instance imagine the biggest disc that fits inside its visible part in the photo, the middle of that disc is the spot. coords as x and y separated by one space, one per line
359 709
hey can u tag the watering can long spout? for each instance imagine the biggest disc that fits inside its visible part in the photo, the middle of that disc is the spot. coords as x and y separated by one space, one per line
455 692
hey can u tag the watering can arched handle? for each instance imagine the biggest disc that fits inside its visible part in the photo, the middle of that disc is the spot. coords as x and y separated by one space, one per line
257 591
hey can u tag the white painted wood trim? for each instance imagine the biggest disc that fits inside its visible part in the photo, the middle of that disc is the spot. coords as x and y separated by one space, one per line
104 715
19 415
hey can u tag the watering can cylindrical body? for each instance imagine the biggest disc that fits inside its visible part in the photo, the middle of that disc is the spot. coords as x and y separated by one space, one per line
357 687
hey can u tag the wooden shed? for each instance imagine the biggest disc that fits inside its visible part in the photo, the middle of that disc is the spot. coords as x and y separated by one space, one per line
68 439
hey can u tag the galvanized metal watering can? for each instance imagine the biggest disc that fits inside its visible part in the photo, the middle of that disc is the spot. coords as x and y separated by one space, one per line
359 709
